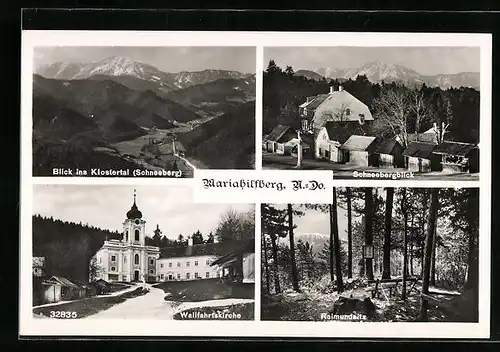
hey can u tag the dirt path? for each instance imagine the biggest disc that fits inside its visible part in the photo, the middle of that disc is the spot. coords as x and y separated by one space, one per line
150 306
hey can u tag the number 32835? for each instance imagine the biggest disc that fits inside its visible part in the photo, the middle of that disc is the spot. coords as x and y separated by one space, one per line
62 314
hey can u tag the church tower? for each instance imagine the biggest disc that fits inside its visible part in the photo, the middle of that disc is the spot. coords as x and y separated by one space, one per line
134 226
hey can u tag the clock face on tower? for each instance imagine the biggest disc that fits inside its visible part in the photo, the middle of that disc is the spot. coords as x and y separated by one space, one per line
137 221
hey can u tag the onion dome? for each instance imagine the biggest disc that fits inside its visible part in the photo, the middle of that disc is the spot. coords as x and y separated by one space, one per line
134 212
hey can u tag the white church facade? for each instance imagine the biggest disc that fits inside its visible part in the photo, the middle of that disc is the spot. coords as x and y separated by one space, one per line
130 259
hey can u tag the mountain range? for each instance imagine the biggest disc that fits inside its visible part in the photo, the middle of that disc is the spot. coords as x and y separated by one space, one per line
316 240
123 67
378 71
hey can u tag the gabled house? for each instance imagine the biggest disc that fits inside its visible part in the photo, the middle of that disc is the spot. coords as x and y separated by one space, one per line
239 264
390 154
359 150
458 157
38 266
330 138
58 288
419 157
338 106
275 141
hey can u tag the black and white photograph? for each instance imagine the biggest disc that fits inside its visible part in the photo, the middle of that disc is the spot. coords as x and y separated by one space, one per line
374 255
119 252
373 112
142 111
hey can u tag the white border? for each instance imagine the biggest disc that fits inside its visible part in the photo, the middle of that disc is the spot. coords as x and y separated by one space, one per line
31 326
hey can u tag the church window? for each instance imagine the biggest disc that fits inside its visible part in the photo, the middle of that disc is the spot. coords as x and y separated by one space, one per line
136 259
161 265
169 265
178 264
137 235
188 275
113 268
208 262
304 124
162 276
113 258
196 275
178 276
151 261
151 271
126 235
195 263
347 112
124 258
187 264
207 275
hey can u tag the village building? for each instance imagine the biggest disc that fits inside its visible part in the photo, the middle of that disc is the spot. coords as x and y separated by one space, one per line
390 154
38 266
330 138
58 288
458 157
338 105
239 264
359 150
419 157
191 262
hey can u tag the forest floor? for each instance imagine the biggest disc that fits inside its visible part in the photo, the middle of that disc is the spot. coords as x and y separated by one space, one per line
319 305
343 171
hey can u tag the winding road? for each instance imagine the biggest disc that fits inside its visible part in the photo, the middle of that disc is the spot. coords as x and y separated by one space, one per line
153 306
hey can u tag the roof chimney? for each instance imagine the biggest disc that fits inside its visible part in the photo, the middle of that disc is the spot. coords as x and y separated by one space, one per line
331 89
190 241
341 88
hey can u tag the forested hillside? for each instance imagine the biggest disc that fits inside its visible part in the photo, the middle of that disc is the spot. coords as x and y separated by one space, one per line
67 247
227 141
457 108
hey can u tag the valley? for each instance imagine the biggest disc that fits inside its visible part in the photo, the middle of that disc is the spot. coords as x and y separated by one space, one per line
123 114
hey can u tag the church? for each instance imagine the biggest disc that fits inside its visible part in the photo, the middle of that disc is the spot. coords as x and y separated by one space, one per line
130 259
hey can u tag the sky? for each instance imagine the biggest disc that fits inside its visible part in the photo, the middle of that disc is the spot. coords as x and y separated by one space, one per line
424 60
106 207
167 59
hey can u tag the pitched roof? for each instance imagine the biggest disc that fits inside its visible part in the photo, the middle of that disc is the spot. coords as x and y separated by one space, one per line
247 246
423 137
419 150
341 131
454 148
320 98
277 133
358 142
386 147
63 281
294 141
217 249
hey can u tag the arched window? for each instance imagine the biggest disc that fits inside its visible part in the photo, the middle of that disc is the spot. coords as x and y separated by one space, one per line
137 235
126 235
348 112
136 259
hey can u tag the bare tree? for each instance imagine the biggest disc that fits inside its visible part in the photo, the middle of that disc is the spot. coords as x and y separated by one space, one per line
420 108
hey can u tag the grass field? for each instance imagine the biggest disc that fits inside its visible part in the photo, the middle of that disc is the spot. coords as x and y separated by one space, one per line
204 290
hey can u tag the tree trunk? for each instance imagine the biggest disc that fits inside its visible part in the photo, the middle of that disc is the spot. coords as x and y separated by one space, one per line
411 244
369 230
349 233
433 258
386 272
295 280
334 231
266 264
405 244
428 253
422 222
277 288
299 150
472 255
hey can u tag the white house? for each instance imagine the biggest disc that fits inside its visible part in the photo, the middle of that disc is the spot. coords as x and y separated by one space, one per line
338 105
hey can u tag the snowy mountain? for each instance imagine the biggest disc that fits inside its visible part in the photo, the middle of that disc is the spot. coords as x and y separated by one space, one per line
124 68
378 71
